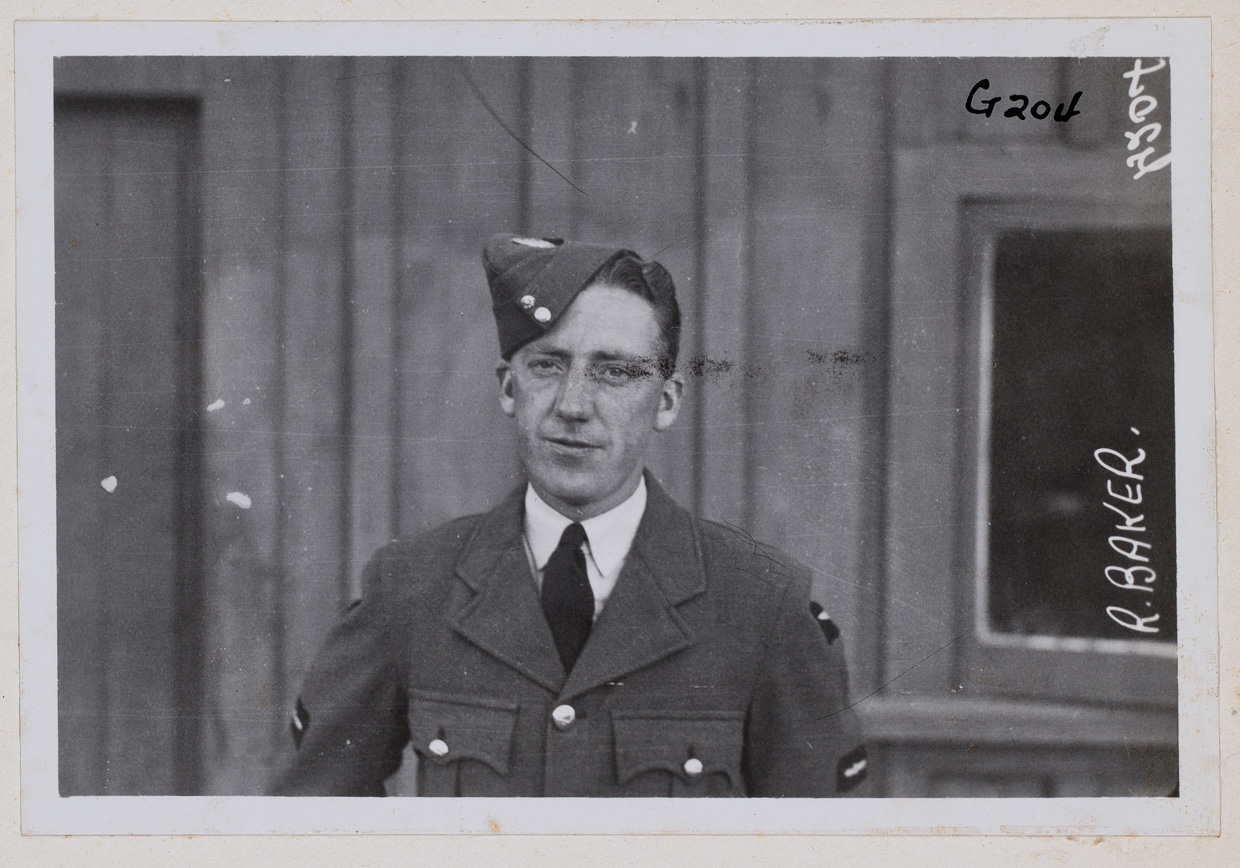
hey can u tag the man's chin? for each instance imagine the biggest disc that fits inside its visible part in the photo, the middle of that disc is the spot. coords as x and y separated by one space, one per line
577 492
577 496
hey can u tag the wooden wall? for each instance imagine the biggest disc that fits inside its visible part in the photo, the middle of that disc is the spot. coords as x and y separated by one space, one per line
346 328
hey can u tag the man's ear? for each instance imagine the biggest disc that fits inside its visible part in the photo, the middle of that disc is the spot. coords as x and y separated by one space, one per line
507 400
669 402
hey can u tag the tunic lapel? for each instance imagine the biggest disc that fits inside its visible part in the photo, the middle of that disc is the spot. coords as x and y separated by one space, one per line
505 618
640 625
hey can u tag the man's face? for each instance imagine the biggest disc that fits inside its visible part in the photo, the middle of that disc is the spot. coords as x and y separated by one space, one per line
587 396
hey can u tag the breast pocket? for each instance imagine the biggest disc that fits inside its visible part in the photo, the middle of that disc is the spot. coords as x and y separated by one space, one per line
464 743
674 753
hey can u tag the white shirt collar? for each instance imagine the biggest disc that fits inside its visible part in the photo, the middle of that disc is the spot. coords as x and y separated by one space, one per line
609 536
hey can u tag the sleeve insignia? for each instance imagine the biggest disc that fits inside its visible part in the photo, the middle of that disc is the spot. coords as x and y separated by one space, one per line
829 629
851 770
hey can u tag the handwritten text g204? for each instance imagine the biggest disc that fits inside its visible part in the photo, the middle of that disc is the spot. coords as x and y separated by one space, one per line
1040 110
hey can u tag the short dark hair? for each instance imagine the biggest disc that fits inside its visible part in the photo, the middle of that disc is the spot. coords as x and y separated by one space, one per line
651 281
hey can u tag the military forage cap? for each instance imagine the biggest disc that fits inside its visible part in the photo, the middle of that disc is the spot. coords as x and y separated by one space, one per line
534 280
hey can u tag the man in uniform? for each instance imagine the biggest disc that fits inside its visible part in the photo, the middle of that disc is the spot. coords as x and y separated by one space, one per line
588 636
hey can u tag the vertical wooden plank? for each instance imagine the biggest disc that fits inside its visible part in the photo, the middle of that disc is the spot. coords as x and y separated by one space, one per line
83 194
242 369
346 303
402 270
283 687
817 179
552 93
189 617
401 124
523 123
144 358
866 650
461 184
313 448
723 371
372 236
699 186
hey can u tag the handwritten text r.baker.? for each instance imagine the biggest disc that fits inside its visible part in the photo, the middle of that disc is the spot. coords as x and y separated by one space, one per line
1137 576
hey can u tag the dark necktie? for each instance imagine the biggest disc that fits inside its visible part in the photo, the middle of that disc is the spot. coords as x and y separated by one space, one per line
567 600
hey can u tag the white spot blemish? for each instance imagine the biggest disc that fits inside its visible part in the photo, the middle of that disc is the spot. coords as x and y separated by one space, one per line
217 404
632 128
109 484
246 401
241 500
855 769
1091 43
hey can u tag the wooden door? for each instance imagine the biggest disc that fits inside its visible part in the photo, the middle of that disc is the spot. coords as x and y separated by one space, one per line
127 474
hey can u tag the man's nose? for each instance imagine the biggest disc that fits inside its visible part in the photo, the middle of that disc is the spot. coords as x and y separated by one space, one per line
575 400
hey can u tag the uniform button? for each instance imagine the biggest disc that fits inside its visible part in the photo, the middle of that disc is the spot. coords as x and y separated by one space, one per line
527 301
563 716
693 766
542 315
438 747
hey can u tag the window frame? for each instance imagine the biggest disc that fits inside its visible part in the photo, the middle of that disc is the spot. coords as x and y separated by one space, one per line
952 205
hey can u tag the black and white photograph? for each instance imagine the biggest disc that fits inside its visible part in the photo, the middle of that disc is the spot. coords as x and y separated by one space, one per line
526 411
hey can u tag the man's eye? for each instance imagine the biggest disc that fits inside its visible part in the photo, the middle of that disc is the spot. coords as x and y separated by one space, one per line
543 366
619 373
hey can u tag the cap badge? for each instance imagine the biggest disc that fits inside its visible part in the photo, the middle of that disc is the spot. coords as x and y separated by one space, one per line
533 242
527 301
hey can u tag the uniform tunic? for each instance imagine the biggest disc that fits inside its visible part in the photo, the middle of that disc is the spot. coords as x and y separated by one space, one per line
706 673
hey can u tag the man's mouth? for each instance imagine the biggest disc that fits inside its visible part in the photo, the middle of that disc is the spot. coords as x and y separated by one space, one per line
572 443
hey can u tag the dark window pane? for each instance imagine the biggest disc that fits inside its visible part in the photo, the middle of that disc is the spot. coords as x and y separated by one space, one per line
1082 360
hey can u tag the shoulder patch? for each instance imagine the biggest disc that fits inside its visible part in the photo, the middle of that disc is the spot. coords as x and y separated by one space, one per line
850 770
829 629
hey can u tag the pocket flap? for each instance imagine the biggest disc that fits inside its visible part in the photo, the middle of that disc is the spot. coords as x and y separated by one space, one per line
668 740
465 727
